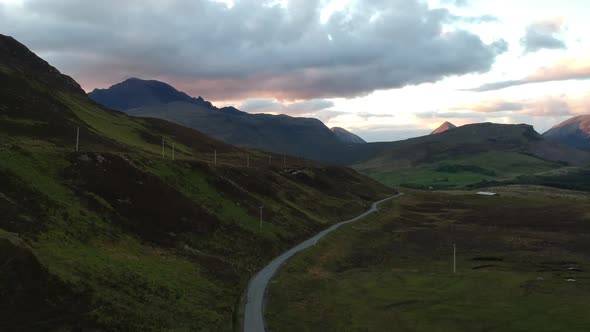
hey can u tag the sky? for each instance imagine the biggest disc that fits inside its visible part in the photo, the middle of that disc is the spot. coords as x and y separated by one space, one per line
383 69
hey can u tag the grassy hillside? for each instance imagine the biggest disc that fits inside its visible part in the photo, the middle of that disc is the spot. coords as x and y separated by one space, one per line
522 265
115 236
572 178
468 155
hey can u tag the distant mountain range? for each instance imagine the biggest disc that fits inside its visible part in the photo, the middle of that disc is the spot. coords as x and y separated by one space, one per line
466 155
305 137
470 153
573 132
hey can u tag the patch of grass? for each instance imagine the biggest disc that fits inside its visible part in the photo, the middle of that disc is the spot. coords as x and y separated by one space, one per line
515 255
461 171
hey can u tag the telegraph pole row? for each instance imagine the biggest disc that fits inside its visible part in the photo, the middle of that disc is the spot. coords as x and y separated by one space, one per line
77 139
454 258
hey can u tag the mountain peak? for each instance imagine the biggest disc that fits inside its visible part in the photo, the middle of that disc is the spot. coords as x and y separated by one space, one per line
17 57
346 136
443 127
573 132
135 93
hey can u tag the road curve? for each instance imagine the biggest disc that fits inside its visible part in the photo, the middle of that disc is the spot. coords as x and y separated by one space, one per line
254 309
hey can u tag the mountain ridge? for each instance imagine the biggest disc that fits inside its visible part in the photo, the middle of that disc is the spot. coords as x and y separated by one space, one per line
468 154
16 56
134 92
346 136
295 136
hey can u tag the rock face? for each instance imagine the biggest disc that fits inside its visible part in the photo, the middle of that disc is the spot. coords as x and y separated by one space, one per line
346 136
443 127
574 132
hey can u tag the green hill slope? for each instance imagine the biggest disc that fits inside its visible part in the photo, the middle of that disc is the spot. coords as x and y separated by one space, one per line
116 236
467 155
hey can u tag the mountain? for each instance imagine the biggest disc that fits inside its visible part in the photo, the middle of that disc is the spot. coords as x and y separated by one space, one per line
305 137
574 132
443 127
467 155
346 136
16 58
134 93
147 225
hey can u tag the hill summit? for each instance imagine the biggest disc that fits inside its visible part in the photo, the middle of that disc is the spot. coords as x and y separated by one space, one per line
443 127
573 132
134 92
346 136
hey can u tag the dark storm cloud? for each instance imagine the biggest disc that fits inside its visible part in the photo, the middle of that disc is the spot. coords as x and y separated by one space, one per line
543 35
253 49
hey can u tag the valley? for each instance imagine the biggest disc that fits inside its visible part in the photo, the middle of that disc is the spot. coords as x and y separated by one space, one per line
141 208
521 265
117 235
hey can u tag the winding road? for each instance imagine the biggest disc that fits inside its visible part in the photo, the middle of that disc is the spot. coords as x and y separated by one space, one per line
254 309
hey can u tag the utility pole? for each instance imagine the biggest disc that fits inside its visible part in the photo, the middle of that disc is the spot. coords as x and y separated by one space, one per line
163 142
173 151
261 207
77 139
454 258
215 157
284 162
248 161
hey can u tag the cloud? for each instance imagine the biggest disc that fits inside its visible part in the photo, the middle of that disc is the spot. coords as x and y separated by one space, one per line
551 106
479 19
568 69
294 108
447 115
319 108
458 3
543 35
389 133
253 49
369 115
